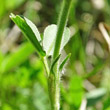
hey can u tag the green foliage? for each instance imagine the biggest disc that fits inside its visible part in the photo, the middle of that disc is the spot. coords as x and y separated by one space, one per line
95 96
8 5
23 82
31 32
1 58
53 64
60 35
75 92
64 61
16 58
106 105
49 39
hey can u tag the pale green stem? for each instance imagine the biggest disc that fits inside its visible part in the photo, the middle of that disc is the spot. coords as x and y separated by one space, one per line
61 25
44 59
54 79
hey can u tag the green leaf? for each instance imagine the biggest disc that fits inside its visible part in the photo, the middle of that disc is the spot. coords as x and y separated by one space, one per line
1 58
53 64
64 62
30 31
106 103
49 38
100 65
16 58
75 92
95 95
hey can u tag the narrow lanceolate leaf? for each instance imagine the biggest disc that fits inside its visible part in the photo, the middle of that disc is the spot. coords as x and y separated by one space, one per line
30 31
53 64
64 62
50 36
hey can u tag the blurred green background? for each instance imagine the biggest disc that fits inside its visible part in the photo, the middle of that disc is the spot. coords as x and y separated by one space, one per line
85 84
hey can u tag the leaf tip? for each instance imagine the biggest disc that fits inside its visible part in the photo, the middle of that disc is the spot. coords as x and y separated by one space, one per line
12 15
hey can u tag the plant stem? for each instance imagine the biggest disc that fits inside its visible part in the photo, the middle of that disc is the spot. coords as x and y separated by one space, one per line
62 21
54 79
44 59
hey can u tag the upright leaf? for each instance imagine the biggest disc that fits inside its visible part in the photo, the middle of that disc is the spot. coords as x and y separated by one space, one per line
53 64
64 62
30 31
50 36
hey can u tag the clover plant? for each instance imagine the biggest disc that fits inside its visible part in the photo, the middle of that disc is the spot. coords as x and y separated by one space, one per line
55 37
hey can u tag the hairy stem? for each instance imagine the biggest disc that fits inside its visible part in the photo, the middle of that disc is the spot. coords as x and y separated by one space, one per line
44 59
62 21
54 78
